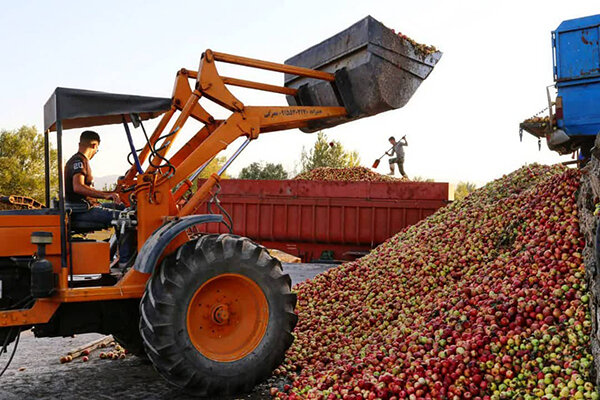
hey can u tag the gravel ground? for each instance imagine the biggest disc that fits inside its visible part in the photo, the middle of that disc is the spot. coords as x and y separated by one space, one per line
36 373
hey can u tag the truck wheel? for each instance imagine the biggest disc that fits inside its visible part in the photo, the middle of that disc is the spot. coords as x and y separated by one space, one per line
217 316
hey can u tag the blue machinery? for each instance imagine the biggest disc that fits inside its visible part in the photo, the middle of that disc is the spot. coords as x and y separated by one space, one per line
573 119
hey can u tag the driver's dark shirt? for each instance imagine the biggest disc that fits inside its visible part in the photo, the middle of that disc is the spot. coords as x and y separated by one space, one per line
78 164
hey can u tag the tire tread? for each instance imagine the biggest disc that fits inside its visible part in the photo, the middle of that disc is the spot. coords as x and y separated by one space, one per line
162 337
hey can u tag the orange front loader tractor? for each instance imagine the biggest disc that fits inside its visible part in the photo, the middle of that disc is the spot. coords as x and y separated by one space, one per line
213 313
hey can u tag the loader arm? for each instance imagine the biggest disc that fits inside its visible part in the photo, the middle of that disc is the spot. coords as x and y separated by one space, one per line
216 135
211 85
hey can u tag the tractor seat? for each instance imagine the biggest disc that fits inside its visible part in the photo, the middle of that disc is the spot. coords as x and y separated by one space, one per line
86 226
82 226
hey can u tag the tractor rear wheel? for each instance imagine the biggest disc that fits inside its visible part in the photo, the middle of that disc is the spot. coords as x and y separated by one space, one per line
217 315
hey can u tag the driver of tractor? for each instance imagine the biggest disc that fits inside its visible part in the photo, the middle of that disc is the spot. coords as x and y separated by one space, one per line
79 191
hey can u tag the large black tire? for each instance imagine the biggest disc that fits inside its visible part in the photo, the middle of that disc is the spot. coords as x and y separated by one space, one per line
167 305
132 342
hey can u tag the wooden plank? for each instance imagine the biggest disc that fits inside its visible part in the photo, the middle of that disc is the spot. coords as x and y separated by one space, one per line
78 352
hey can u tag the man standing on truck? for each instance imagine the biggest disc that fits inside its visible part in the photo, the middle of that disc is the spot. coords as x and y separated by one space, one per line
81 196
398 150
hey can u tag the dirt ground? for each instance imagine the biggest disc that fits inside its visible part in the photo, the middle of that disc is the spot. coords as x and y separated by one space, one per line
36 373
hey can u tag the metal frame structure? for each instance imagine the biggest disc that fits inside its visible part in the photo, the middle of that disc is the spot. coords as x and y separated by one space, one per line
158 192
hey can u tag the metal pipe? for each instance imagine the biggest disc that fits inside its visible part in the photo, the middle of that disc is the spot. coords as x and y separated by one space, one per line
61 196
189 182
550 114
136 160
288 69
259 86
47 168
234 156
183 116
199 170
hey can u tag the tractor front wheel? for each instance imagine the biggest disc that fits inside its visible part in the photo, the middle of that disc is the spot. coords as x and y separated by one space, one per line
217 315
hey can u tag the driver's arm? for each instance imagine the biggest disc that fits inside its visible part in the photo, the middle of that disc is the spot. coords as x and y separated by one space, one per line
81 188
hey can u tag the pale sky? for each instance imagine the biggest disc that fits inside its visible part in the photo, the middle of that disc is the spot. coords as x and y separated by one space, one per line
462 123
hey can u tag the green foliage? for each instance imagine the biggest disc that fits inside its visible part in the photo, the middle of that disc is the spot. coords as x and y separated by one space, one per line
422 179
463 189
22 164
109 187
326 153
263 171
214 166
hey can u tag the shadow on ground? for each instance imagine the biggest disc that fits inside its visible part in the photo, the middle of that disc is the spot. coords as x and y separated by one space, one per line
36 373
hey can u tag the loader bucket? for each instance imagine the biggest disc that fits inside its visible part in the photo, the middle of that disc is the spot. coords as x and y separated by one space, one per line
375 69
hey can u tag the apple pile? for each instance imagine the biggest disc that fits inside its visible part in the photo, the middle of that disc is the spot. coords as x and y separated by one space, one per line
545 119
117 353
350 174
486 299
542 121
419 48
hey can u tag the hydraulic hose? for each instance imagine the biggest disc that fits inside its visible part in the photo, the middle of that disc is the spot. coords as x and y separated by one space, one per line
13 351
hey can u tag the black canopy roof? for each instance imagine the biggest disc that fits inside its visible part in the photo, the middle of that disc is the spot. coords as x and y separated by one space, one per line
82 108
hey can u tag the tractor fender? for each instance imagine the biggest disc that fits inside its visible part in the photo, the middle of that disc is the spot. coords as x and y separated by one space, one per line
160 239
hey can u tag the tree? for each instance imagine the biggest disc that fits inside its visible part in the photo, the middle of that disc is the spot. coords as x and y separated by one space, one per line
463 189
422 179
109 187
258 170
22 164
213 167
326 153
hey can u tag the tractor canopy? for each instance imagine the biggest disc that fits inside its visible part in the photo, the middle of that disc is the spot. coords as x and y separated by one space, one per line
78 108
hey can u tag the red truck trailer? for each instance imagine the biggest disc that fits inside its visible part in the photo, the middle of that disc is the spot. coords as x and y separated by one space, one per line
326 220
